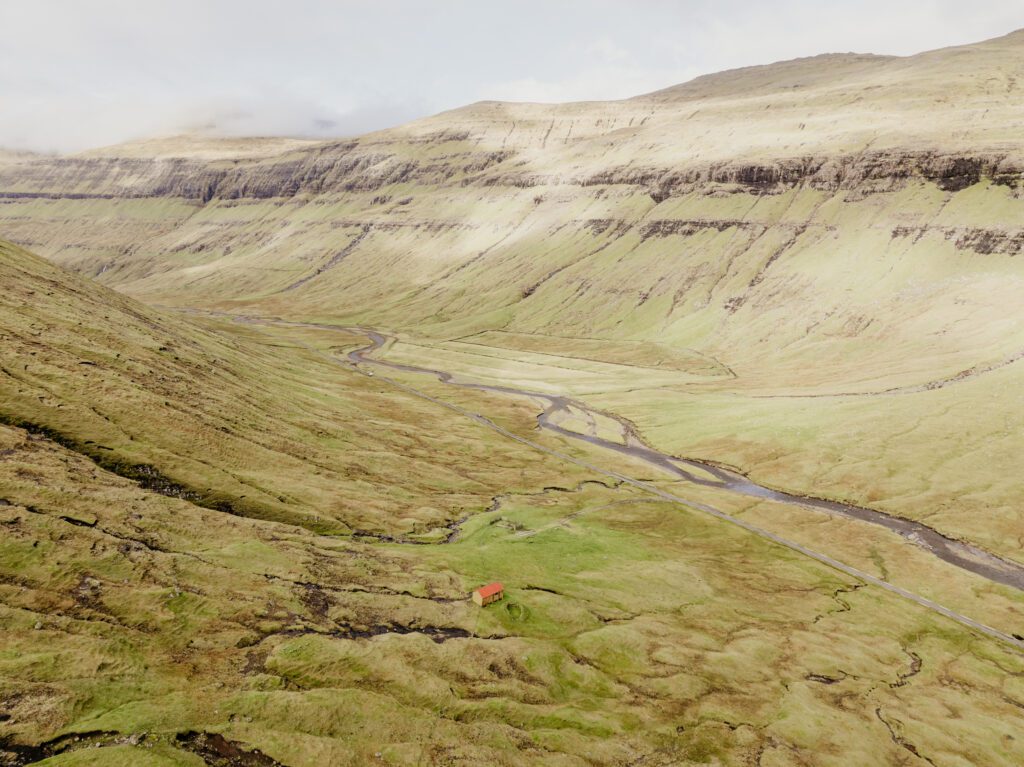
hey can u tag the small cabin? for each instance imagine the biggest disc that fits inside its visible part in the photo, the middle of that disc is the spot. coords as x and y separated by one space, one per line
492 592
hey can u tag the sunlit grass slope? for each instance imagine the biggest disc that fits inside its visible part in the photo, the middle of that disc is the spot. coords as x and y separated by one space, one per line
232 418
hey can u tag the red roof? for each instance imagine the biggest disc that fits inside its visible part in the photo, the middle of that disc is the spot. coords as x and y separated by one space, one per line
490 590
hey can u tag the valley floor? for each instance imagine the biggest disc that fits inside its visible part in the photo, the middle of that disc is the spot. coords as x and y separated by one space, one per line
632 629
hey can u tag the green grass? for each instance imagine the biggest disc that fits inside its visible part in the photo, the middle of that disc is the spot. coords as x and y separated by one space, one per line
236 419
125 756
663 626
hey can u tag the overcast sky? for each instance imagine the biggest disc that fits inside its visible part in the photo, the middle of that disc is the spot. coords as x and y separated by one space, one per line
82 73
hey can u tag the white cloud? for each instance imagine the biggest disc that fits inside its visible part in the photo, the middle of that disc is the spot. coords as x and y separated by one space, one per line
607 50
595 84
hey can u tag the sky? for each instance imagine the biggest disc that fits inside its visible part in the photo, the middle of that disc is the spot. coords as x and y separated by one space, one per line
76 74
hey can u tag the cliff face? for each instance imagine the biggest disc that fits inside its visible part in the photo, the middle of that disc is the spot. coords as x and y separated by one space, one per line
355 167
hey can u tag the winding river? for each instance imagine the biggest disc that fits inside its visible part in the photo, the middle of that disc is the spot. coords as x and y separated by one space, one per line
962 555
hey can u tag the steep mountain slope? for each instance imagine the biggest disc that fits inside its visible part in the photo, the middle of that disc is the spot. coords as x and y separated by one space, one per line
234 419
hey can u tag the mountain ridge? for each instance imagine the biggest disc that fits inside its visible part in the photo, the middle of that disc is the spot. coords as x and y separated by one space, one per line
760 76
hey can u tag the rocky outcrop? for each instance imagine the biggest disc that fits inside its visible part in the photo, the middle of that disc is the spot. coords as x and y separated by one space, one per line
863 174
983 241
77 178
340 167
686 228
374 164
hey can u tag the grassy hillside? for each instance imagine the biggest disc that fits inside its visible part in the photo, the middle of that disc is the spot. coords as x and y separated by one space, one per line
169 595
221 537
235 418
